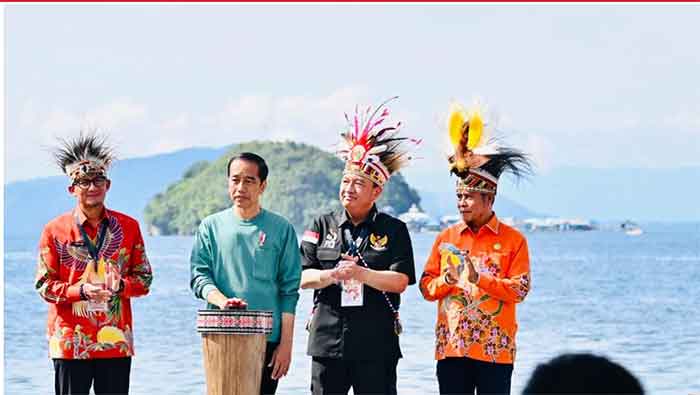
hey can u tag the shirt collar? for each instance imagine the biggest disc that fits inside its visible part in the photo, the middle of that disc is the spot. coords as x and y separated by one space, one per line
344 218
81 218
492 225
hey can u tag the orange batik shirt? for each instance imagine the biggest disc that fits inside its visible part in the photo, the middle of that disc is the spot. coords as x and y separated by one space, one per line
73 331
478 320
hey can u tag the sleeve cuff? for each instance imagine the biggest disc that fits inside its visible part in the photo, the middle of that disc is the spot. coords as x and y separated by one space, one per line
289 305
73 293
126 289
443 281
206 289
482 280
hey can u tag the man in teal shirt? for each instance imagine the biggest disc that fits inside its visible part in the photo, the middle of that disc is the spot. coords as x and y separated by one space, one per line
247 256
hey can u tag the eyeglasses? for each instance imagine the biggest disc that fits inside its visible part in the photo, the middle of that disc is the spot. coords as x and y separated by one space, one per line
98 182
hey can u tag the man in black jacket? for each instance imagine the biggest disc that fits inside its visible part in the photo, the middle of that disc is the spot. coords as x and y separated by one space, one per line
358 261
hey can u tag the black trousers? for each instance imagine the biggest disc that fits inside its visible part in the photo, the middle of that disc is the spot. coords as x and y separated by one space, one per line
109 376
464 375
336 376
268 386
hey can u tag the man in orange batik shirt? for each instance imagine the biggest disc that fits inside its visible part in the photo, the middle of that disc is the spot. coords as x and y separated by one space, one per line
479 268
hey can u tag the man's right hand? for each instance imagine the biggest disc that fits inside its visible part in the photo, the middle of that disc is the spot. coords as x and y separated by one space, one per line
233 303
343 270
450 274
96 293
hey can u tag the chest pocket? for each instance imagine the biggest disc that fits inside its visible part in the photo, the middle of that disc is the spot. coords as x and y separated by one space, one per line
377 260
265 265
327 257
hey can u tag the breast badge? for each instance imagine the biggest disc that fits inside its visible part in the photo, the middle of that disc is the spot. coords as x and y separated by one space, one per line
378 243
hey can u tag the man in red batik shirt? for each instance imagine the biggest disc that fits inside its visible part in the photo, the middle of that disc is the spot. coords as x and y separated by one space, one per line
91 263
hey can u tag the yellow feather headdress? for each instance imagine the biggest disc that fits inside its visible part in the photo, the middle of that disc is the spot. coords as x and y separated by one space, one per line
478 159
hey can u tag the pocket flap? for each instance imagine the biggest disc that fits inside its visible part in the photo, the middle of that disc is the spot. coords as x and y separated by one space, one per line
327 254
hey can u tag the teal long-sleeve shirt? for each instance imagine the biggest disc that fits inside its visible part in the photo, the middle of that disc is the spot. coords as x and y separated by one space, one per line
256 260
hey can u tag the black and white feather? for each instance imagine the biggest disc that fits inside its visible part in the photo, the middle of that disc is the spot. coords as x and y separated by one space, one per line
86 148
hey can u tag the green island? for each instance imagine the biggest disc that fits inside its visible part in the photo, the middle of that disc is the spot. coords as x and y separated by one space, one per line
303 183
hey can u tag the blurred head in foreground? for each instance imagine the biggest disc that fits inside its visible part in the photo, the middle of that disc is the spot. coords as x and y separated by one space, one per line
582 374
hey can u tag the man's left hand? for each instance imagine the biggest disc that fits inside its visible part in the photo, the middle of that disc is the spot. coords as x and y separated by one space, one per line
349 269
112 278
281 359
473 274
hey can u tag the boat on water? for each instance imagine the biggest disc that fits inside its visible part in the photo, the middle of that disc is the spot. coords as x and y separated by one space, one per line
634 232
556 225
631 229
418 221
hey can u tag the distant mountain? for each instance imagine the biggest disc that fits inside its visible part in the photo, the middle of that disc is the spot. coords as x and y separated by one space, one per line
443 202
303 183
30 204
607 195
668 195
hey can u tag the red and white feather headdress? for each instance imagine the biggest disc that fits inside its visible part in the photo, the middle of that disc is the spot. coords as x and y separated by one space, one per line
371 146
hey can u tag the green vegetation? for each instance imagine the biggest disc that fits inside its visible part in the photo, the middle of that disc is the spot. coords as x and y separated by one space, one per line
303 183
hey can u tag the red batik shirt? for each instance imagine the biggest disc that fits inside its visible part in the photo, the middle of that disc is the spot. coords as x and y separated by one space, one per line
74 332
478 321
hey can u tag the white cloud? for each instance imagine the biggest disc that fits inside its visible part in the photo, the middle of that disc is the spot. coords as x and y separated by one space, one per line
28 114
109 116
631 122
138 130
541 151
313 119
179 122
36 130
687 119
116 114
60 121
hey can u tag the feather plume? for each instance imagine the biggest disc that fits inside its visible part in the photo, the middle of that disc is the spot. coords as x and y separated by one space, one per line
476 128
369 139
475 146
456 123
90 146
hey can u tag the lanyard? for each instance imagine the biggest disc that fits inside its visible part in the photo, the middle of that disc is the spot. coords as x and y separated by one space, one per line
93 249
354 250
356 246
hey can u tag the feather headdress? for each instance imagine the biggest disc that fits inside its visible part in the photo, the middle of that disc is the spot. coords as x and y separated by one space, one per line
479 159
87 155
371 147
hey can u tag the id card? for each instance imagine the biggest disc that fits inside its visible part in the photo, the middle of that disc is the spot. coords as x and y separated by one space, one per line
351 294
98 307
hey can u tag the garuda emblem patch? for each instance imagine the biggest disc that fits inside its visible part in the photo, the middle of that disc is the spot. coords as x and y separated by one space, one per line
378 243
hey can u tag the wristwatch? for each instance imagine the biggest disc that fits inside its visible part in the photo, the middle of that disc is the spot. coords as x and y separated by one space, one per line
81 291
121 286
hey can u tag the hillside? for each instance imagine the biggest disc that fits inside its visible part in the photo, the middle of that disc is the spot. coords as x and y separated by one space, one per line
30 204
303 183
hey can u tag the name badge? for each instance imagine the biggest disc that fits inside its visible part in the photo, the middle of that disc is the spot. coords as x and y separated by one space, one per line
95 279
351 293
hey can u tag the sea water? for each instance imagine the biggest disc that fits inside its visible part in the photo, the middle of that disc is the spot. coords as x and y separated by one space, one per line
635 300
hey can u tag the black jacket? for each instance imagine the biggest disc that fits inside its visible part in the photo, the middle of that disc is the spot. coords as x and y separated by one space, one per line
367 331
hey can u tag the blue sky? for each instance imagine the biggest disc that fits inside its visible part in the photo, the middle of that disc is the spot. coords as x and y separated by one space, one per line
602 86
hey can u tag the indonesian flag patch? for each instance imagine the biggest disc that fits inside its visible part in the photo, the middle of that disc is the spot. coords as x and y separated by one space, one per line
310 237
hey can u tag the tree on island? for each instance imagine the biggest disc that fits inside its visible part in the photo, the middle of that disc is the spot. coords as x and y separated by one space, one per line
303 183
